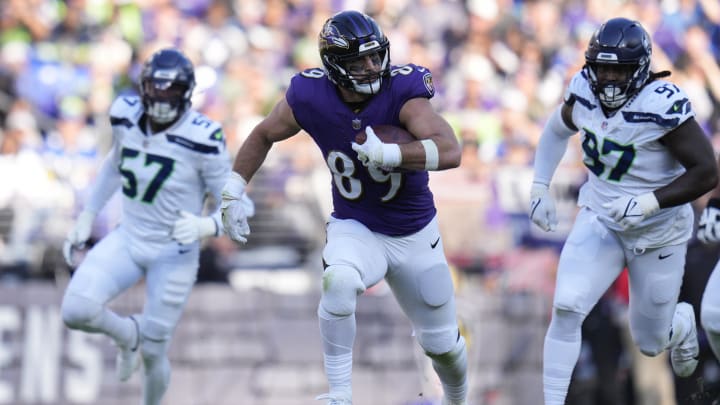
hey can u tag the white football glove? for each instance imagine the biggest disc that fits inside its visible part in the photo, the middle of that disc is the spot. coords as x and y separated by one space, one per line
629 211
373 152
235 208
78 236
542 208
709 225
190 228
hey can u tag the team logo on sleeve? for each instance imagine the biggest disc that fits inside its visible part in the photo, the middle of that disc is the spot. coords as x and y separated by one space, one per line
218 136
428 80
680 107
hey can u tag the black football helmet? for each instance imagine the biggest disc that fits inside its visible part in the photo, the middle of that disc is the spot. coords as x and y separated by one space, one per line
623 45
349 35
166 84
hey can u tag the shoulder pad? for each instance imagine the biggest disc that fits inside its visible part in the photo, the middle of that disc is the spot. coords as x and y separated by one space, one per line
125 111
578 91
660 102
412 78
665 98
199 133
312 73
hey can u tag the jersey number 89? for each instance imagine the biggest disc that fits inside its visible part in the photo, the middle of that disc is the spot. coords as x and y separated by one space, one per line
343 168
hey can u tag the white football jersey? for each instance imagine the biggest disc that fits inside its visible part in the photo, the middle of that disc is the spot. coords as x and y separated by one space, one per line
623 155
165 172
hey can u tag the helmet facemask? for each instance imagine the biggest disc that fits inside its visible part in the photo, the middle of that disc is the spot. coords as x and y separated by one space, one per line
359 77
624 82
164 99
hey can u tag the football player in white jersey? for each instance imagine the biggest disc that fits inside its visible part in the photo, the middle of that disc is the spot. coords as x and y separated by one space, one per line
166 158
647 158
709 233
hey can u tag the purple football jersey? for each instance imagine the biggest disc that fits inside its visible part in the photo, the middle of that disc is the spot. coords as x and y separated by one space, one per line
392 203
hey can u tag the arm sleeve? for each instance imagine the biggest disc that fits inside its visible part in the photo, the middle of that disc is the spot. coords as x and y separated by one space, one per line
106 182
551 148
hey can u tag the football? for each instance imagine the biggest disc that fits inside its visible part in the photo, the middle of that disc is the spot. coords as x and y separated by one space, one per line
387 134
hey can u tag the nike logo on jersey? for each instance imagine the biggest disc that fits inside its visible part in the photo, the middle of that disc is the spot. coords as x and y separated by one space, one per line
432 245
662 257
183 251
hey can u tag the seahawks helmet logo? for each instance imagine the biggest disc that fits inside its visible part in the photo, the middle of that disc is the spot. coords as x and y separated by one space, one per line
330 36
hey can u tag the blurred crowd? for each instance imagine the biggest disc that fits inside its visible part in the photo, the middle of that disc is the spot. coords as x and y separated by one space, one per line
500 67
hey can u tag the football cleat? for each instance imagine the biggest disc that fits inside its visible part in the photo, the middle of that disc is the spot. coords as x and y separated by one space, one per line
684 355
127 360
337 398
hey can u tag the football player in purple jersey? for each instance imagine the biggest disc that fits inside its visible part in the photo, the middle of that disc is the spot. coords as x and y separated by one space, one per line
383 224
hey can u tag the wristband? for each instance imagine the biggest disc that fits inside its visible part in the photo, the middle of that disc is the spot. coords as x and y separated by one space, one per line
391 155
648 203
432 156
235 187
538 190
207 227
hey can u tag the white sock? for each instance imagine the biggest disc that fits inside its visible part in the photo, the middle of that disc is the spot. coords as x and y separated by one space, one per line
121 329
451 368
559 360
561 351
338 370
338 337
157 371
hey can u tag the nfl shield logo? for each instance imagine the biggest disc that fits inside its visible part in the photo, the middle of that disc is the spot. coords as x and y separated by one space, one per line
356 124
604 125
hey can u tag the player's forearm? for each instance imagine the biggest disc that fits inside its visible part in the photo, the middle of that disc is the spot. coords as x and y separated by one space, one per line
691 147
690 185
251 156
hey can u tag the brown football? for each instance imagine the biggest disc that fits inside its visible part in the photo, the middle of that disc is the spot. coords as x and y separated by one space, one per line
387 134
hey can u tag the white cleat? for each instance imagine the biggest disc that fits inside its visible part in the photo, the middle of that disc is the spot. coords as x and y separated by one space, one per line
336 398
684 356
127 360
